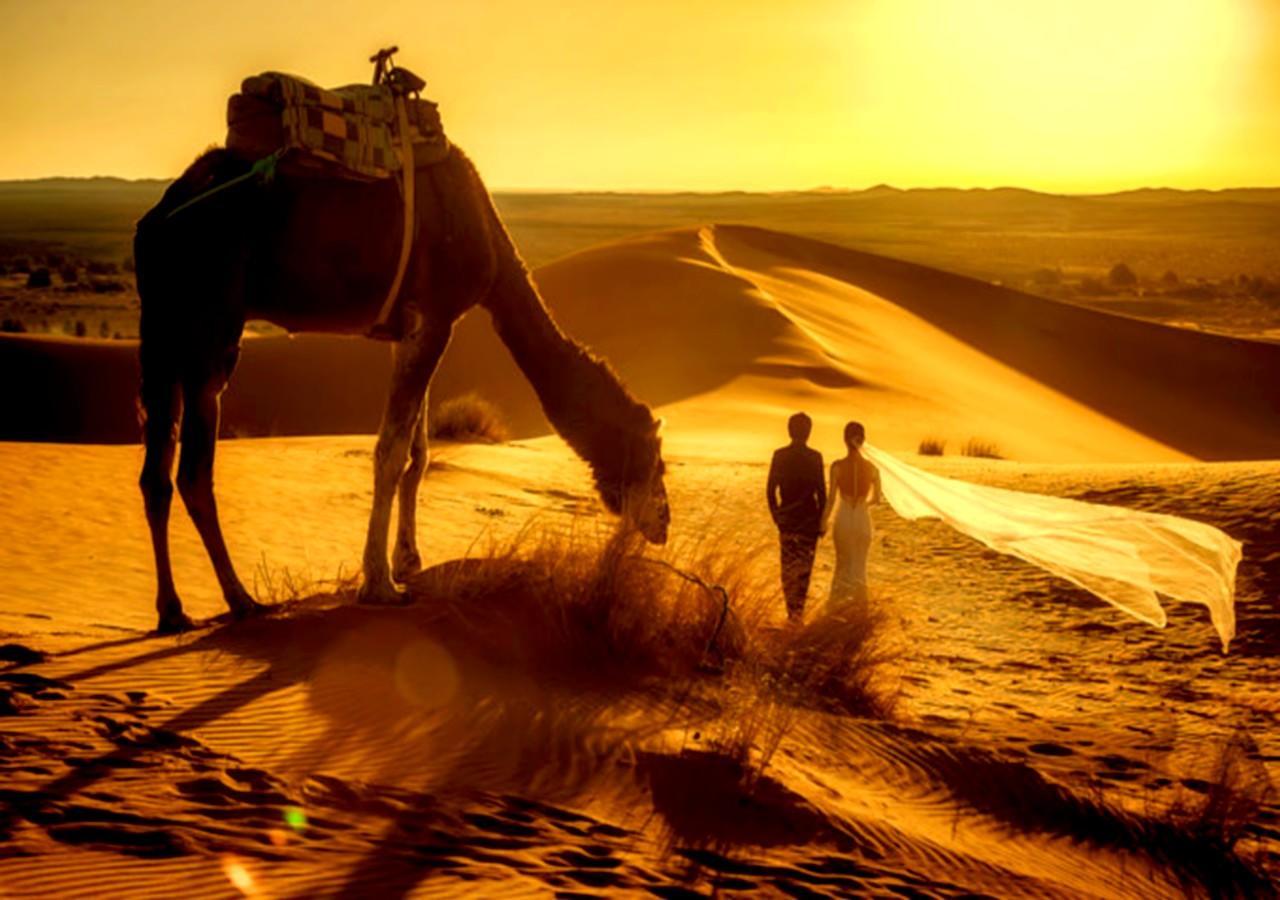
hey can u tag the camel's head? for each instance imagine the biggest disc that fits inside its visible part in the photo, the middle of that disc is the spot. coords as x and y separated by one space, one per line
640 495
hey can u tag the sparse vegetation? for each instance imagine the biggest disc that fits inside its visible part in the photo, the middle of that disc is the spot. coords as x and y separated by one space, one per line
982 449
101 267
573 604
932 446
106 285
1220 810
1122 276
39 278
69 273
12 326
469 419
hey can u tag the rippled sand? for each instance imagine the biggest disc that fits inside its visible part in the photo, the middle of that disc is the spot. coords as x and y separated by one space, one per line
332 748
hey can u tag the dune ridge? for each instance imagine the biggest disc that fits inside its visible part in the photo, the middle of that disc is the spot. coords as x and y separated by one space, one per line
742 324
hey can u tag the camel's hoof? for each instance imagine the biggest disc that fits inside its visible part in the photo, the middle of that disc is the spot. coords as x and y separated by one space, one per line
174 621
385 594
405 567
244 607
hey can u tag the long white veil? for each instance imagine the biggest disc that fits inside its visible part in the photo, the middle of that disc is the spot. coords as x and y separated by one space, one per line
1122 555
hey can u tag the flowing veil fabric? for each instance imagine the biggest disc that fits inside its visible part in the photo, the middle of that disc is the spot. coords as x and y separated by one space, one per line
1124 556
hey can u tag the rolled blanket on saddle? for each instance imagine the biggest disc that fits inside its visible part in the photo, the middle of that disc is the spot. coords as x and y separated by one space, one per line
351 131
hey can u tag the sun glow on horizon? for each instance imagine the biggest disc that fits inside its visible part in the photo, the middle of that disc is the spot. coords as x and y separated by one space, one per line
1105 92
1090 96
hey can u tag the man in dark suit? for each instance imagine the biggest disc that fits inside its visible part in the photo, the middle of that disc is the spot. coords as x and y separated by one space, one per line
797 497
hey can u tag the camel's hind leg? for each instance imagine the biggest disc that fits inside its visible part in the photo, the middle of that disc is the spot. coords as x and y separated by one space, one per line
405 560
414 362
162 405
202 403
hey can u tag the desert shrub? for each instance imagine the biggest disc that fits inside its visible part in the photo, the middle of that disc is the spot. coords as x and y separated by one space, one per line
81 331
1092 286
102 267
840 660
13 326
20 266
68 273
1122 276
39 278
1221 809
54 260
981 448
578 604
932 446
1169 279
469 418
106 285
575 604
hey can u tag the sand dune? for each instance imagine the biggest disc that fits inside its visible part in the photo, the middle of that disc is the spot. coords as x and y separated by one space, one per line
750 324
330 749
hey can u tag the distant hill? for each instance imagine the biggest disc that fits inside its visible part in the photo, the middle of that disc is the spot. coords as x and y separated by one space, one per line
999 234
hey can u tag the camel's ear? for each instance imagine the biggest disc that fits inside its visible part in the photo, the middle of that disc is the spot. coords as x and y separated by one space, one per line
657 427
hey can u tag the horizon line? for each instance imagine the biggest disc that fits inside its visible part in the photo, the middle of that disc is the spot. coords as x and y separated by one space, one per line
659 191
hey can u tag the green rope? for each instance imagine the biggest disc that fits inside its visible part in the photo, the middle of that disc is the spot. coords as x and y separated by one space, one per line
264 169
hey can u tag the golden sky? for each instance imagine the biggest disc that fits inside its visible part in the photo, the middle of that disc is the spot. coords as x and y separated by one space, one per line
1085 95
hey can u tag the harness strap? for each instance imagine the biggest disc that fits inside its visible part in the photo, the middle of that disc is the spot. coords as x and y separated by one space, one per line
264 169
379 328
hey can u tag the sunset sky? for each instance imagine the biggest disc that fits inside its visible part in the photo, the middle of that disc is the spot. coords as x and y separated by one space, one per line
1090 95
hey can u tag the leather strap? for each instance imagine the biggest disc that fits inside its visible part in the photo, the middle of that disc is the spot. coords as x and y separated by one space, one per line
379 328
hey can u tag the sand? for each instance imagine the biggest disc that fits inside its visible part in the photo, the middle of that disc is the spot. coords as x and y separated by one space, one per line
330 749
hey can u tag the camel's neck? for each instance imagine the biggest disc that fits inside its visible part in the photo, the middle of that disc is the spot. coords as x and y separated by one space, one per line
581 395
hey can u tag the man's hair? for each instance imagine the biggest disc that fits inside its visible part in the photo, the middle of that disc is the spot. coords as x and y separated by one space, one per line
854 434
799 427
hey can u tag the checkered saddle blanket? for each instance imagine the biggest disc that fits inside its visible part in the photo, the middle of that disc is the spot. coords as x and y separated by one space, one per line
350 131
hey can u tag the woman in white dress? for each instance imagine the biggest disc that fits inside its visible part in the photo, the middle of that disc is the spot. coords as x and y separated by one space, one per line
855 482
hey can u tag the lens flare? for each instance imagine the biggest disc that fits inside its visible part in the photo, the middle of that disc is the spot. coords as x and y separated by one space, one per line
240 877
425 674
295 818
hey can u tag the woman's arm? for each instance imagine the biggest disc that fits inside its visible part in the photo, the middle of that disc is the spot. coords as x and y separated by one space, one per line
831 500
876 494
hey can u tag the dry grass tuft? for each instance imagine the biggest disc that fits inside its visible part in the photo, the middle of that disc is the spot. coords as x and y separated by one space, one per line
1219 810
569 604
594 612
932 446
982 449
576 603
469 419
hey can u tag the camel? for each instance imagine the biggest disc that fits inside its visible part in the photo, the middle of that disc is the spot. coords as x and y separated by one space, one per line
317 254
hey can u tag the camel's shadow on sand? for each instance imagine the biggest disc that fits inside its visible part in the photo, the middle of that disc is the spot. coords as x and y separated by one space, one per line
479 688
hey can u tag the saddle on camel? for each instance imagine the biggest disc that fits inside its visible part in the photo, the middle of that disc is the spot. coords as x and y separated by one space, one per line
348 212
362 132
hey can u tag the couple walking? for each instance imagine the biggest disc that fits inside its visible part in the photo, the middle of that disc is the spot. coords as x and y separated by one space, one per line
801 506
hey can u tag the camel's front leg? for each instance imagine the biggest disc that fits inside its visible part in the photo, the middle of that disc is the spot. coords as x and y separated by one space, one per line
405 560
414 362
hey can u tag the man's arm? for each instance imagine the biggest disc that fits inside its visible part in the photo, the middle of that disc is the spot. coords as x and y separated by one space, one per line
773 489
819 486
